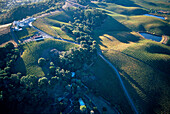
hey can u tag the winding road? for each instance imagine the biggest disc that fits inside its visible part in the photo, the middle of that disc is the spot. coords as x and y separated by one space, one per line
45 35
121 82
114 68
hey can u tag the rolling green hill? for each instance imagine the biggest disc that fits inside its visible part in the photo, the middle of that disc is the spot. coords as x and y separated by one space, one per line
34 50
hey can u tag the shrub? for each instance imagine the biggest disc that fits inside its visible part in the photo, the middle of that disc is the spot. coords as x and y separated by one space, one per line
41 61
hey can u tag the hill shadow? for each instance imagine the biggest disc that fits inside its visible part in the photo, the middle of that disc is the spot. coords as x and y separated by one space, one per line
128 3
116 29
126 37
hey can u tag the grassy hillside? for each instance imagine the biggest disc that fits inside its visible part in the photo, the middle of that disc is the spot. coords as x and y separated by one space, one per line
63 34
55 22
143 65
147 86
149 4
34 50
136 23
151 53
26 32
153 4
52 24
107 85
146 23
122 9
40 23
64 16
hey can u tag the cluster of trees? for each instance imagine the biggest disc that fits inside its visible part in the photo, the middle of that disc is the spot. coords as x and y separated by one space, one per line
84 23
31 94
76 58
9 54
26 94
83 2
23 11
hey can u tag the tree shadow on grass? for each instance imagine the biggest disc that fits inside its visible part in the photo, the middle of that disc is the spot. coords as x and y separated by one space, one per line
128 3
19 66
45 70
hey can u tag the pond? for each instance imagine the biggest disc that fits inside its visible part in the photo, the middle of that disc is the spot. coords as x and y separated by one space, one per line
154 16
150 36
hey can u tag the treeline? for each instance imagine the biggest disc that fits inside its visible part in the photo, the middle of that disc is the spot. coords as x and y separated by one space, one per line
9 55
29 94
23 11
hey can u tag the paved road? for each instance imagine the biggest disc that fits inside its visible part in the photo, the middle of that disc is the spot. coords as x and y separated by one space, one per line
121 82
5 25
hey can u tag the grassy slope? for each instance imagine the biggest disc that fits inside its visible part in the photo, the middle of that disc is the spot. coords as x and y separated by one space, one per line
54 22
122 9
39 23
34 50
26 32
154 54
107 85
64 16
136 59
153 4
141 23
63 34
146 84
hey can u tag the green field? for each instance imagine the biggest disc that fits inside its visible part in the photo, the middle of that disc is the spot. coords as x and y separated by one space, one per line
26 33
34 50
